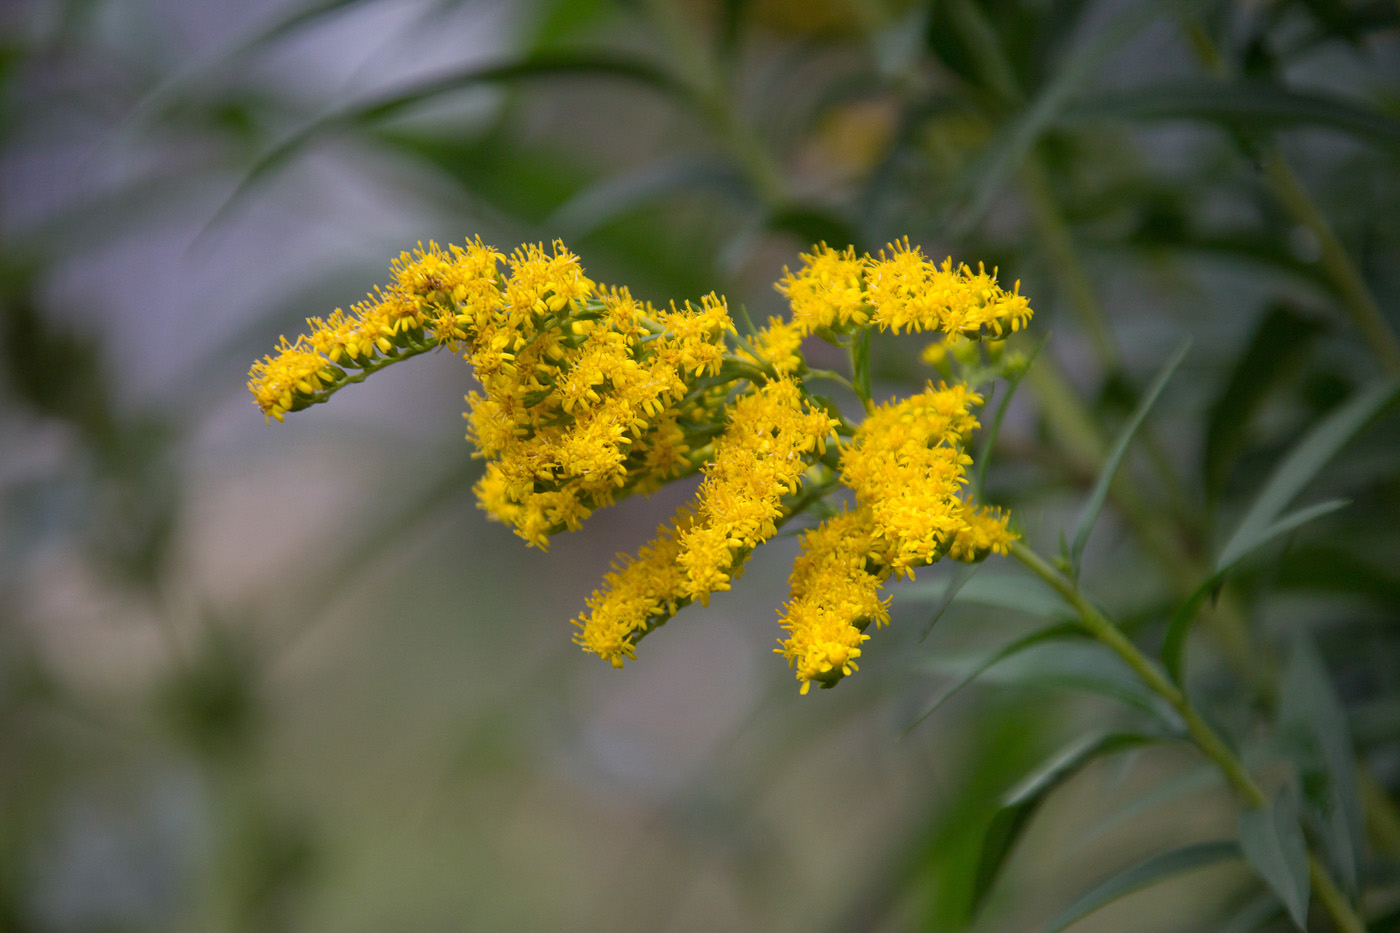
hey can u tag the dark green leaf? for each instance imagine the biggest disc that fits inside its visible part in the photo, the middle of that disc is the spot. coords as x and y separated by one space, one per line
1003 156
1174 647
615 197
1143 875
1273 844
1013 591
1313 722
959 578
989 437
1278 345
1059 631
1253 915
1021 803
1090 515
1303 463
1251 106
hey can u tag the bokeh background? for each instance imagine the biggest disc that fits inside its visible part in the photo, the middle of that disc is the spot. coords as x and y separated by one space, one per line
288 677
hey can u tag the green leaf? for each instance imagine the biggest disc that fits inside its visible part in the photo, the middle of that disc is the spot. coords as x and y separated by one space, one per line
1060 631
1272 841
1253 915
376 109
1174 647
1303 463
1014 591
1094 505
1279 344
860 365
1313 723
956 582
1004 154
1143 875
989 438
620 195
1021 803
1246 105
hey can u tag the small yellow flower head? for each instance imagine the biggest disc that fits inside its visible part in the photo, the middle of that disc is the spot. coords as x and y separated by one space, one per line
287 381
984 531
835 595
827 291
779 345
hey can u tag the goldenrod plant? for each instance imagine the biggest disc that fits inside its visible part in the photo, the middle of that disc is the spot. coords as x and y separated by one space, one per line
590 395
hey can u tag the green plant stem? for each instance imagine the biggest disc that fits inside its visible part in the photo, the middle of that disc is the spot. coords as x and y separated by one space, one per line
1357 300
1202 734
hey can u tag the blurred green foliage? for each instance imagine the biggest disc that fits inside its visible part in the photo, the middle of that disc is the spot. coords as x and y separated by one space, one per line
384 726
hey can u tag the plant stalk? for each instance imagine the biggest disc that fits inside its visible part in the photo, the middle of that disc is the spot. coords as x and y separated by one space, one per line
1205 737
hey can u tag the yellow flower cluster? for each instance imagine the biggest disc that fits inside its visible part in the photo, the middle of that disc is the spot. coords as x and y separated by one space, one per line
900 291
588 394
433 300
586 391
835 595
772 437
907 466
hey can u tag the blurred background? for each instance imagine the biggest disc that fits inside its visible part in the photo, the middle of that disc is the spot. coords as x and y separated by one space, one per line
288 677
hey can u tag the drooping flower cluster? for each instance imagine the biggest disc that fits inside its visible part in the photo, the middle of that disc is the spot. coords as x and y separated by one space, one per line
588 394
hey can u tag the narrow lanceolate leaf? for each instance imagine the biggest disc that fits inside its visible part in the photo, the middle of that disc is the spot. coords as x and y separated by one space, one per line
989 437
956 582
1272 841
1095 503
1144 875
620 195
1313 724
1279 344
1040 636
1021 803
396 102
1174 648
1012 591
1257 106
1303 463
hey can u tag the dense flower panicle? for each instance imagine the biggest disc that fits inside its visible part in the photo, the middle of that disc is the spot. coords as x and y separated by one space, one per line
835 595
772 437
638 594
906 464
588 394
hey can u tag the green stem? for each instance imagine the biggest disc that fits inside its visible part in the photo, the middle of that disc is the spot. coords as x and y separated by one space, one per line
1205 737
1357 300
